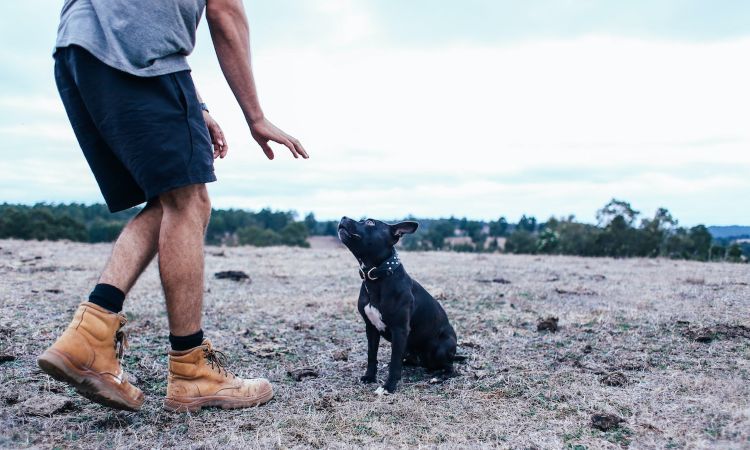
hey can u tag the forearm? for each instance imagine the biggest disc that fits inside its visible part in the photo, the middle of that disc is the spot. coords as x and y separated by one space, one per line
231 38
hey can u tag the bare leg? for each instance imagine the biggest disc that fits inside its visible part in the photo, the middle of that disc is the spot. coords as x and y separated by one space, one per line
186 212
134 248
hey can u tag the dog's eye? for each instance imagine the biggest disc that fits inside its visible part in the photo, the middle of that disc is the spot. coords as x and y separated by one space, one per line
369 222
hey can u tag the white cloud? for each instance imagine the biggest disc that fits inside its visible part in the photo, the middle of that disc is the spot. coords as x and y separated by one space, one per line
484 113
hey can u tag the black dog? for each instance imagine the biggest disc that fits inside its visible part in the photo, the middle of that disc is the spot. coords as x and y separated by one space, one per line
395 306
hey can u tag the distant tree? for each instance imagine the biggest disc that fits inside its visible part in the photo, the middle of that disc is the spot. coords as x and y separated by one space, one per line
521 241
678 244
734 253
701 241
548 241
616 208
527 223
101 230
258 237
311 223
439 230
295 234
473 229
653 232
499 227
617 239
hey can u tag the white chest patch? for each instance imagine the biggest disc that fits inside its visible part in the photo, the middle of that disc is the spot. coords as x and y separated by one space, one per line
375 317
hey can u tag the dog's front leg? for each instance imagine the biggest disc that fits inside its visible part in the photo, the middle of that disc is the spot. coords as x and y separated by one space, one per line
373 342
398 348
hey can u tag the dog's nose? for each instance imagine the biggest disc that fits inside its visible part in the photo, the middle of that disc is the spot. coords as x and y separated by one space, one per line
344 218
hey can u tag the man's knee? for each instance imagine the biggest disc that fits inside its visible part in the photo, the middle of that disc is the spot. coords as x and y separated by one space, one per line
192 199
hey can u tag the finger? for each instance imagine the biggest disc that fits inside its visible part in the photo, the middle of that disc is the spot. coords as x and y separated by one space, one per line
266 149
290 146
300 148
224 149
224 146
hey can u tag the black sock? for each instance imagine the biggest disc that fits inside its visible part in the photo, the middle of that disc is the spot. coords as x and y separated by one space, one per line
180 343
108 297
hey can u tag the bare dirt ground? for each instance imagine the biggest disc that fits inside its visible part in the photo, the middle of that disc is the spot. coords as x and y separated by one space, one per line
662 345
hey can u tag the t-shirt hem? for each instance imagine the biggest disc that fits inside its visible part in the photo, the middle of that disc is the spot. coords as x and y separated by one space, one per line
139 72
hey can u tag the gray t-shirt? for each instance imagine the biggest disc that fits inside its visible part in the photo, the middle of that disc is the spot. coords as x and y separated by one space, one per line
142 37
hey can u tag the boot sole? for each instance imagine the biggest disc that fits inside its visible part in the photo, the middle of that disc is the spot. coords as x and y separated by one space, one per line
193 404
87 383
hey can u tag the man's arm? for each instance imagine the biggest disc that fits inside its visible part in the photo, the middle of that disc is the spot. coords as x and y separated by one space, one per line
231 37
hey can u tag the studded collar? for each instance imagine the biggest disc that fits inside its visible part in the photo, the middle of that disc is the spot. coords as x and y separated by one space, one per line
382 270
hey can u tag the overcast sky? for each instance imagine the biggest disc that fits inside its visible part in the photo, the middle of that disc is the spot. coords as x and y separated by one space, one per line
437 108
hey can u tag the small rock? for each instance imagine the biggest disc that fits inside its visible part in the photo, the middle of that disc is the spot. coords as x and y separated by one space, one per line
45 405
53 291
479 374
494 280
587 349
614 379
341 355
234 275
605 422
7 358
301 373
548 324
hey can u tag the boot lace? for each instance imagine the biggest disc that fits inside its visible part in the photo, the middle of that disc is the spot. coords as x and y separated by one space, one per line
121 343
218 360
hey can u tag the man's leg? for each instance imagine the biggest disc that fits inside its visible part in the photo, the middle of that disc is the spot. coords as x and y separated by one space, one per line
86 356
186 212
134 248
197 376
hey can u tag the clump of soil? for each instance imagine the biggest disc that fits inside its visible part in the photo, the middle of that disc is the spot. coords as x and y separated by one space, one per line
613 379
302 373
548 324
708 334
45 405
606 422
234 275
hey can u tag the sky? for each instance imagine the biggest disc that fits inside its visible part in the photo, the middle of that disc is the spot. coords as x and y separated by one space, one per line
434 108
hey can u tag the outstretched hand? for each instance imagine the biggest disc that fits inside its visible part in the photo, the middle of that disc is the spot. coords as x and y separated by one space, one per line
264 131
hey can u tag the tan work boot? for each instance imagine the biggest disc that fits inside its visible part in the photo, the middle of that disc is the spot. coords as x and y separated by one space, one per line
87 356
197 378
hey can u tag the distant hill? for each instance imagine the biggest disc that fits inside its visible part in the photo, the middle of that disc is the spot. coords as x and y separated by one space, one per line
729 231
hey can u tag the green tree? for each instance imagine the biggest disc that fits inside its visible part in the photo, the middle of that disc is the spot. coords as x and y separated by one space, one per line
258 237
701 239
521 241
311 223
616 208
499 227
527 223
295 234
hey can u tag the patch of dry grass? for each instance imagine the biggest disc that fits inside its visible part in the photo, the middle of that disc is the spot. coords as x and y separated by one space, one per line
637 322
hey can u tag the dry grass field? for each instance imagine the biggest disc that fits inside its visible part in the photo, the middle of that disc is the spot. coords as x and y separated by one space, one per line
662 345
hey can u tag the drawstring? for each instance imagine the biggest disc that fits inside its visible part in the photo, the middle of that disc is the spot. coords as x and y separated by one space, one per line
217 359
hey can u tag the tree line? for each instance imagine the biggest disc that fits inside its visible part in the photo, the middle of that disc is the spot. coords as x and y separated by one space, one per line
620 231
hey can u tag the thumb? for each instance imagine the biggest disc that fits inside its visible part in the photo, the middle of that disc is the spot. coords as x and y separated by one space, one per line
266 149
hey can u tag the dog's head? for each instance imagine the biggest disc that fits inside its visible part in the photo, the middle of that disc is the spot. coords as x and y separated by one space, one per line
371 241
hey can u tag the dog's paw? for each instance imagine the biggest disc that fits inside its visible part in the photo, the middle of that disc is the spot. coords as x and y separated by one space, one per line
380 391
368 379
389 388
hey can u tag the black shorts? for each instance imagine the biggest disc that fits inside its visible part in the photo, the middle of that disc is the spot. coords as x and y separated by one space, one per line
142 136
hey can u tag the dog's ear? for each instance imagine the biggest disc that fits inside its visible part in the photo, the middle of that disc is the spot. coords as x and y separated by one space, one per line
402 228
